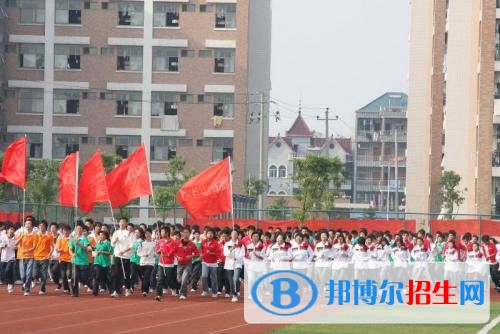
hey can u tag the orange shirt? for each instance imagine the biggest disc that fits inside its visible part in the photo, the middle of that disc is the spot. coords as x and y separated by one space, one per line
28 241
62 247
44 246
92 244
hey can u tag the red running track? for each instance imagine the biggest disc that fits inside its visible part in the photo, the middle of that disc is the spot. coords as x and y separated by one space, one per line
56 313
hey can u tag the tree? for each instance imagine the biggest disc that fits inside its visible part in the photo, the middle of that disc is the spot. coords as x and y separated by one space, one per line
254 187
278 210
166 197
449 195
319 180
110 161
43 182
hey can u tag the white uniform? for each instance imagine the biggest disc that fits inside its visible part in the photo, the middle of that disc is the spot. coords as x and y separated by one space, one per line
360 257
323 252
400 257
475 262
302 255
420 255
451 260
8 248
280 256
234 253
122 240
252 262
147 253
342 256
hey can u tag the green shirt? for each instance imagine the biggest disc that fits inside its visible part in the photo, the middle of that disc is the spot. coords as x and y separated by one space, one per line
136 258
198 245
103 260
80 256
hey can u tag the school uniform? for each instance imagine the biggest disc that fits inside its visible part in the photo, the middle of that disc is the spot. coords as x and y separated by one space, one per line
42 252
184 252
62 246
166 276
234 253
280 256
102 263
210 251
255 264
8 259
80 262
147 254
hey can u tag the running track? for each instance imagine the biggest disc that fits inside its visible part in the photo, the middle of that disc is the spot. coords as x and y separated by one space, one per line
55 313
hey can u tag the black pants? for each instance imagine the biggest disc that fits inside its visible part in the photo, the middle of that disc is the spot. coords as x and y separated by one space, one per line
222 279
65 273
41 270
55 272
100 278
80 275
146 277
120 274
166 277
8 271
495 275
195 275
135 273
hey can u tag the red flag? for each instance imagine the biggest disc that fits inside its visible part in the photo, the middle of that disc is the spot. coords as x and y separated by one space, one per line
14 164
92 187
208 193
130 179
68 179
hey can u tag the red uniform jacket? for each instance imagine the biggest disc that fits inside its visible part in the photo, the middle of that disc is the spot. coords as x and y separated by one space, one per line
210 251
166 249
182 251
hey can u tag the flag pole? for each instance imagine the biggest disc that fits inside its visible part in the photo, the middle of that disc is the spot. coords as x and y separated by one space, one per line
76 184
231 187
25 176
151 185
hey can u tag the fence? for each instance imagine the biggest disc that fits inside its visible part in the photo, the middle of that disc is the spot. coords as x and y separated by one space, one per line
346 219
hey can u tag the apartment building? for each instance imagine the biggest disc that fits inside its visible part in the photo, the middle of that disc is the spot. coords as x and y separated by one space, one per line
380 152
180 76
452 112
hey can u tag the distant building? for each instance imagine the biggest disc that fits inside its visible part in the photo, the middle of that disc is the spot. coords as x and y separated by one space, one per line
299 142
379 126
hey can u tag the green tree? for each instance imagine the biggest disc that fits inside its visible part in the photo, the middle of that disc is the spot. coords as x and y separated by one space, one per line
319 180
166 197
278 209
254 187
43 182
110 161
450 196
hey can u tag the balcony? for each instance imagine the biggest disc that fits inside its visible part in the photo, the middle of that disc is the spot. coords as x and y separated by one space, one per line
380 161
388 136
380 185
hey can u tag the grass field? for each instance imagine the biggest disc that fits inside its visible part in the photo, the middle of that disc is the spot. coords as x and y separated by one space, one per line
390 329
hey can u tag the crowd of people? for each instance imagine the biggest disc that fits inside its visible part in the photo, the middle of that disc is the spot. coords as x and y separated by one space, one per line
174 258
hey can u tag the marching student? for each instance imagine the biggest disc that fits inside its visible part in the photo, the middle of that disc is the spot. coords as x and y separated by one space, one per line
62 247
280 254
401 258
255 264
8 256
384 258
146 252
360 258
210 250
420 255
234 253
452 261
372 269
122 242
342 254
135 259
323 253
302 254
185 252
166 275
79 246
489 250
54 270
102 262
196 262
476 262
26 242
222 282
43 251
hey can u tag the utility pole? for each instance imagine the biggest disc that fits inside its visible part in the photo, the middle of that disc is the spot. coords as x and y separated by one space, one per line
327 119
396 197
261 151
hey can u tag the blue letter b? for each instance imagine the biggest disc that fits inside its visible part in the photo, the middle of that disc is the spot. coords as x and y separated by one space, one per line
293 287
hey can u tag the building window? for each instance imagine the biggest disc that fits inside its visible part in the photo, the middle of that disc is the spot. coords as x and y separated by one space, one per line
163 104
224 105
35 143
68 12
30 101
66 101
131 13
32 11
205 53
184 142
166 14
273 172
67 57
282 172
225 15
222 148
126 145
163 148
129 58
129 103
224 61
32 56
165 59
62 145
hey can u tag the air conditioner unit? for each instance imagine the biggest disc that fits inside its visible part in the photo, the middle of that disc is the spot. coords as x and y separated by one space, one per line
170 123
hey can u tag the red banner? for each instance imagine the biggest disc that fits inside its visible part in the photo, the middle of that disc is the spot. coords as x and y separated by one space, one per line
462 226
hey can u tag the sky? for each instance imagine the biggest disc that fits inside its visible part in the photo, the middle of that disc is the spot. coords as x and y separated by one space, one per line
340 54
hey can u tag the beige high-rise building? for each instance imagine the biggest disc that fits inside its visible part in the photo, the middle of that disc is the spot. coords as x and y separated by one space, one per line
452 103
180 76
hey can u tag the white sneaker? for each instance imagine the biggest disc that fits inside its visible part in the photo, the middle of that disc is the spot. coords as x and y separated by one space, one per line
114 294
214 295
127 293
41 293
227 295
89 290
102 290
33 284
234 299
219 293
26 293
10 288
182 297
174 294
193 290
165 291
204 294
